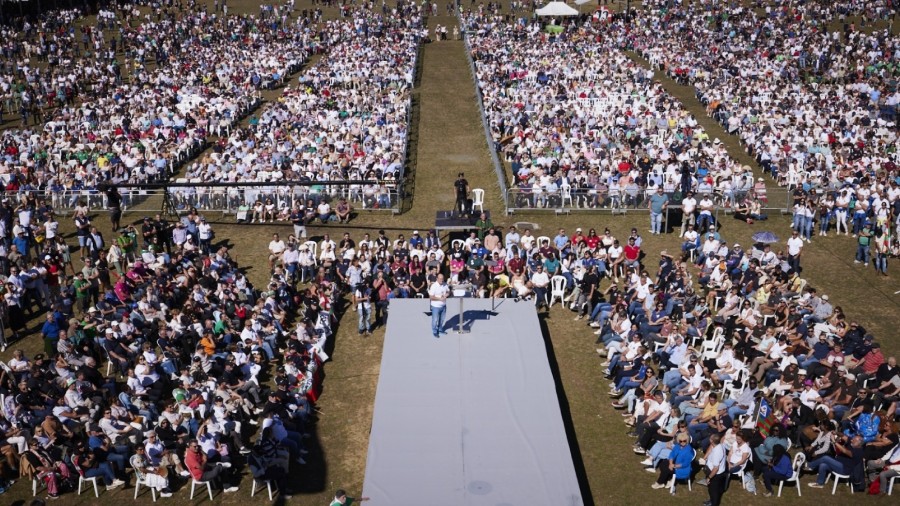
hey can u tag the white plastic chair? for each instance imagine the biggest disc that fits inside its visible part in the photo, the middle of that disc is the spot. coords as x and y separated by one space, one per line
36 485
566 193
891 484
142 481
541 239
462 244
799 461
194 484
478 199
313 250
688 479
837 478
269 485
557 289
82 480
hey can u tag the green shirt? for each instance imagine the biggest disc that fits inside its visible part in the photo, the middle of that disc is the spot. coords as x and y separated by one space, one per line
81 288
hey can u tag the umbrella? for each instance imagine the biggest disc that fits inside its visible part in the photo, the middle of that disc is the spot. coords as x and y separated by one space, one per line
765 237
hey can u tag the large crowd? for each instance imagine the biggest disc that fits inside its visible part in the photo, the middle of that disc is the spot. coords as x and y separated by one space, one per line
162 363
137 124
717 351
160 359
346 120
583 125
816 108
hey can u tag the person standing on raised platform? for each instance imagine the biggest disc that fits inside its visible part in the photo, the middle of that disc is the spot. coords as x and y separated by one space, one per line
462 195
438 293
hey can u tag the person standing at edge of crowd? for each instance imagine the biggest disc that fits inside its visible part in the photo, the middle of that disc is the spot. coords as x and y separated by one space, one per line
717 462
657 204
114 203
438 293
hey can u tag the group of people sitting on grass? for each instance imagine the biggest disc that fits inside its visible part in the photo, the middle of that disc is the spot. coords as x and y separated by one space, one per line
157 114
346 120
816 107
583 125
161 363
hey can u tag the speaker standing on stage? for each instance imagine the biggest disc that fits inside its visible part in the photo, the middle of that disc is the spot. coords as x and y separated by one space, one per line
438 293
462 194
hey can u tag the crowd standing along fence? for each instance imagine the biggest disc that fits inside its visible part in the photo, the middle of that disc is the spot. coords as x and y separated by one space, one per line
567 199
227 198
492 146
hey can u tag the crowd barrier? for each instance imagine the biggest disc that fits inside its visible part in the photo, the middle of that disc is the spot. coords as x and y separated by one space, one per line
231 200
567 199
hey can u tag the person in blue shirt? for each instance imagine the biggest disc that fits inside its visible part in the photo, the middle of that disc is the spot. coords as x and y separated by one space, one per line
50 331
778 469
679 464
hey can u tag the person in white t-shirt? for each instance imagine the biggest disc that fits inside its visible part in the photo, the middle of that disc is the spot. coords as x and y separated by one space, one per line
688 208
438 293
795 249
276 250
540 280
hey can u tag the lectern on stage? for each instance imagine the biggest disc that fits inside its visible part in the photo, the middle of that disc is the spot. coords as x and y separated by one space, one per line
461 292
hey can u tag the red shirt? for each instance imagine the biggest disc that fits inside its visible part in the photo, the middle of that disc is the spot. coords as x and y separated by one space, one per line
632 252
195 462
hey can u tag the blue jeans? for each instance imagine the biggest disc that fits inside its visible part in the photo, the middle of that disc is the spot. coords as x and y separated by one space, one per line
365 314
824 221
655 222
862 253
859 219
881 263
437 318
103 470
826 465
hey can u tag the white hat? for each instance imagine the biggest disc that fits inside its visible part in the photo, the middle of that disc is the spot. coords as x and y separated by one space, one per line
824 297
850 376
802 371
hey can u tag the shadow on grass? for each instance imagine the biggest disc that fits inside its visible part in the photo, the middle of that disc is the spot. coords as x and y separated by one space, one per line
566 413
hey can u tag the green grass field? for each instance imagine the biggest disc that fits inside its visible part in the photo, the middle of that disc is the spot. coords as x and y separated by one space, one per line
447 138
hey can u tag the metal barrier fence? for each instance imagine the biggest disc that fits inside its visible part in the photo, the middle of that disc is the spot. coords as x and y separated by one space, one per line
492 146
567 200
227 200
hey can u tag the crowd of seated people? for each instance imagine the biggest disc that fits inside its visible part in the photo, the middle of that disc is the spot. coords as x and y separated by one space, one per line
583 125
346 120
158 358
139 128
817 108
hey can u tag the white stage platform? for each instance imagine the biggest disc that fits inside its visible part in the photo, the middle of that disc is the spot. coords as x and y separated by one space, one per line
470 419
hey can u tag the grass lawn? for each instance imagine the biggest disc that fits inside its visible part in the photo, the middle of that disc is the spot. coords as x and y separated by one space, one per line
447 138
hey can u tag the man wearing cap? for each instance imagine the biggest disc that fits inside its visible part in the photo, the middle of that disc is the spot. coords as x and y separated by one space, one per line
205 234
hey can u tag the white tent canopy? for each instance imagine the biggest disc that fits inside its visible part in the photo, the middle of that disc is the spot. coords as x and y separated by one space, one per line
582 2
556 9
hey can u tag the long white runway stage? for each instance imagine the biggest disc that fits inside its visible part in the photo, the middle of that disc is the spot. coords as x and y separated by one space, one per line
469 419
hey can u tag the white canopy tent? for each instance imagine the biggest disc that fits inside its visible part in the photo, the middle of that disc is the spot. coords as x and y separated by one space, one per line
556 9
582 2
